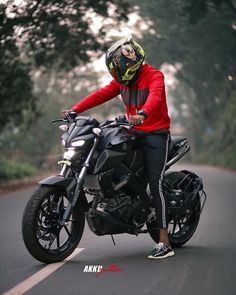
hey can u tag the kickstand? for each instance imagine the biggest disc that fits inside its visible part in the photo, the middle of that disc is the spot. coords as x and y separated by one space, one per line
113 240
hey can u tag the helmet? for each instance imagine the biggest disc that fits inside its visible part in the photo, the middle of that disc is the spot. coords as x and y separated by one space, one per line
124 60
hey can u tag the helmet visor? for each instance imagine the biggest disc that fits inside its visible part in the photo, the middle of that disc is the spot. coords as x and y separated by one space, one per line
123 68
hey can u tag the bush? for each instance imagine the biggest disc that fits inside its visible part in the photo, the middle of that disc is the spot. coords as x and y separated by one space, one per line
219 147
10 170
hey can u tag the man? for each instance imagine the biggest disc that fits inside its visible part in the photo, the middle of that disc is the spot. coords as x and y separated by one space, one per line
143 91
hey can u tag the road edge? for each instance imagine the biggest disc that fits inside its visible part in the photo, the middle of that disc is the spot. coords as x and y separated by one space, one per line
13 185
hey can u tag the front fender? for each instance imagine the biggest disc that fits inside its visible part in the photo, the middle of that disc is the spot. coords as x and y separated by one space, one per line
68 184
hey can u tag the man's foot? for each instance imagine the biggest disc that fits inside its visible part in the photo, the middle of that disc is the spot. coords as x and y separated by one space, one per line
161 251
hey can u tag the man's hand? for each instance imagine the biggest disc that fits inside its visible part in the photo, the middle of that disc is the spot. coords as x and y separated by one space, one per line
136 120
64 112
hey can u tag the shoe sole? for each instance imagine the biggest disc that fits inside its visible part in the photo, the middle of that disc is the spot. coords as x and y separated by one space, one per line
161 257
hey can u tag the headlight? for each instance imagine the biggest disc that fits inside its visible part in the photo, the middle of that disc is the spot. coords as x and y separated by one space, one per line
63 142
77 143
63 127
69 154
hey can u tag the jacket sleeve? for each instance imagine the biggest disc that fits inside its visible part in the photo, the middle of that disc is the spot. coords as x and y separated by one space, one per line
156 91
98 97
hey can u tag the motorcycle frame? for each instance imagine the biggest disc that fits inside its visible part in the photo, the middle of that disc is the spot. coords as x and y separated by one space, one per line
74 185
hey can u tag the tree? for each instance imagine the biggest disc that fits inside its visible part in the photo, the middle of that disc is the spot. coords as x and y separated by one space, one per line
48 33
15 87
198 9
205 50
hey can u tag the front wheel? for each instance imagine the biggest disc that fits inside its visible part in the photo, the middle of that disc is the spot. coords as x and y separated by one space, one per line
43 235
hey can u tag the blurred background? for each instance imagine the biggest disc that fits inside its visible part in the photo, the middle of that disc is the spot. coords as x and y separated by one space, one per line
52 55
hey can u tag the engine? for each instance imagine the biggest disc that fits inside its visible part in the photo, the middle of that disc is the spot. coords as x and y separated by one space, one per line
123 208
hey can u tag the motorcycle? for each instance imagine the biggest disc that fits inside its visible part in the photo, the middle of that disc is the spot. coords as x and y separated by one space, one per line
54 217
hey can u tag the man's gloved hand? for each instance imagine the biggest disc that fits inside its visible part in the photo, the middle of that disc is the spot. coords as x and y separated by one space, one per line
136 119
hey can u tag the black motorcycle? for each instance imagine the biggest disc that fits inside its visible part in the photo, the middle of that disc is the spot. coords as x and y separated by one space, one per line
54 217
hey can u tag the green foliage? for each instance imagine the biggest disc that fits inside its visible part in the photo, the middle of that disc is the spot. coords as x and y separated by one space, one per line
16 98
222 142
38 143
197 9
47 34
34 142
197 37
58 31
10 170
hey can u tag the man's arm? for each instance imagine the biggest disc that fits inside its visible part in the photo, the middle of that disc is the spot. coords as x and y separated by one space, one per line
157 87
98 97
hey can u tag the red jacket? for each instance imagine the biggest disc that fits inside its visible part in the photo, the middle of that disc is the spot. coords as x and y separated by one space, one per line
147 93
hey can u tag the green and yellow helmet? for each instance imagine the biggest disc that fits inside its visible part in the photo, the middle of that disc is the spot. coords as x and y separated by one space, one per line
124 60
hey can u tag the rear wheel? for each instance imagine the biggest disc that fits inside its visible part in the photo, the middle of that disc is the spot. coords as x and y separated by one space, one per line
43 235
180 229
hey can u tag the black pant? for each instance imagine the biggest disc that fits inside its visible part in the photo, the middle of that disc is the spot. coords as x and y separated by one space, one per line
155 148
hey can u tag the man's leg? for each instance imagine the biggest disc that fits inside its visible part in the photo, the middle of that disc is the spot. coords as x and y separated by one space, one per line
155 149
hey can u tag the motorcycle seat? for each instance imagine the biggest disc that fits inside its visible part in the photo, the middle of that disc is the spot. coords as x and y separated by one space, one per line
175 141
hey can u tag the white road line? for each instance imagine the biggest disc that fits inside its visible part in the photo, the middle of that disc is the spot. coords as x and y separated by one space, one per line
39 276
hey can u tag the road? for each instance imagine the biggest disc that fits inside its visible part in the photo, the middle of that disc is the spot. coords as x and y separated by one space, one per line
205 265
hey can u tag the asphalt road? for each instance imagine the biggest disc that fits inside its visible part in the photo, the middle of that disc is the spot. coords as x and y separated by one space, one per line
205 265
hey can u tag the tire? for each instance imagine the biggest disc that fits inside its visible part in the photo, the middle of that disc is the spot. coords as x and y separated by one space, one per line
180 230
43 236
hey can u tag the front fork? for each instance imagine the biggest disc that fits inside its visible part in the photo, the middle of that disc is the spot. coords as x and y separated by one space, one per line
65 169
79 182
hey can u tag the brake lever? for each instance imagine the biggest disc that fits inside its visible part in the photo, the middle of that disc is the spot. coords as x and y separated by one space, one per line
59 120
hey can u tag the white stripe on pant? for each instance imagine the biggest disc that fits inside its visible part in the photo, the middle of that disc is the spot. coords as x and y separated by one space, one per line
164 212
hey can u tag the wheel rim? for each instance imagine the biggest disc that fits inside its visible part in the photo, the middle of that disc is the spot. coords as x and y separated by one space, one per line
50 234
178 227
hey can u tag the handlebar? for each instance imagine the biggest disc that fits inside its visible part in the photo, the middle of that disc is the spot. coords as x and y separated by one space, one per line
120 121
69 118
115 124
